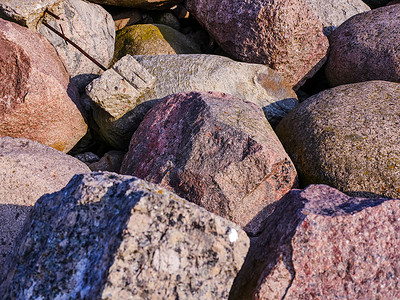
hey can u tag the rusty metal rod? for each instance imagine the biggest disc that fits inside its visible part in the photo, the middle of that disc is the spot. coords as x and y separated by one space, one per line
52 14
74 45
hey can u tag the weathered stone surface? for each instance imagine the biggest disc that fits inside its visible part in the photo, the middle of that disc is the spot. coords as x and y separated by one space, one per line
348 137
87 157
152 39
322 244
111 162
333 13
118 88
214 150
25 12
366 47
125 17
89 26
179 73
147 4
282 34
36 99
27 171
107 236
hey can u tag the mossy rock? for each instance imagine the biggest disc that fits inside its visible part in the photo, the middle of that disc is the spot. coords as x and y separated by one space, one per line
152 39
348 137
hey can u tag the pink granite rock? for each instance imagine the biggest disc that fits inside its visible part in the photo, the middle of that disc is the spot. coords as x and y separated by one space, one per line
366 47
283 34
216 151
36 100
321 244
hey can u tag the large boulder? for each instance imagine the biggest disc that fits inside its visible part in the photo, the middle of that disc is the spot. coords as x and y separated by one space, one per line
216 151
322 244
88 25
181 73
283 34
152 39
107 236
366 48
25 12
348 137
333 13
28 170
36 97
146 4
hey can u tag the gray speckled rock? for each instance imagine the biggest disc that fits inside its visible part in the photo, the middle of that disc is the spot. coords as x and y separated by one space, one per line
216 151
27 171
88 25
322 244
117 89
180 73
332 13
348 137
108 236
25 12
366 47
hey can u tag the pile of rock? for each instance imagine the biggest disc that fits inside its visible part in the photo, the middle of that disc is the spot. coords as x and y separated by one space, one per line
199 149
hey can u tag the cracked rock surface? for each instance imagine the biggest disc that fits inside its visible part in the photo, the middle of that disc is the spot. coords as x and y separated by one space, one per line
322 244
216 151
108 236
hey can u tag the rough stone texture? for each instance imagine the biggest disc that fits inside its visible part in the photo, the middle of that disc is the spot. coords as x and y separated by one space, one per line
180 73
89 26
25 12
348 137
117 89
111 161
107 236
87 157
152 39
36 99
125 17
27 171
333 13
146 4
283 34
216 151
322 244
366 47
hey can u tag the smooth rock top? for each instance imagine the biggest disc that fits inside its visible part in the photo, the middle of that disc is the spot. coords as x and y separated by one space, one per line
182 73
36 97
25 12
348 137
283 34
366 47
333 13
322 244
216 151
108 236
28 170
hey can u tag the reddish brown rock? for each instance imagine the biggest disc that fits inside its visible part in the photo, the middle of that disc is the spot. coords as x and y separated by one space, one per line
283 34
36 100
321 244
214 150
366 47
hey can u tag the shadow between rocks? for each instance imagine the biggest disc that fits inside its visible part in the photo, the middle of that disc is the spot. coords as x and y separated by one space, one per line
274 244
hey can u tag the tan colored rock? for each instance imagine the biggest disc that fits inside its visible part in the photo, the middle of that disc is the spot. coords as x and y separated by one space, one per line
366 47
348 137
36 97
28 170
152 39
285 34
216 151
